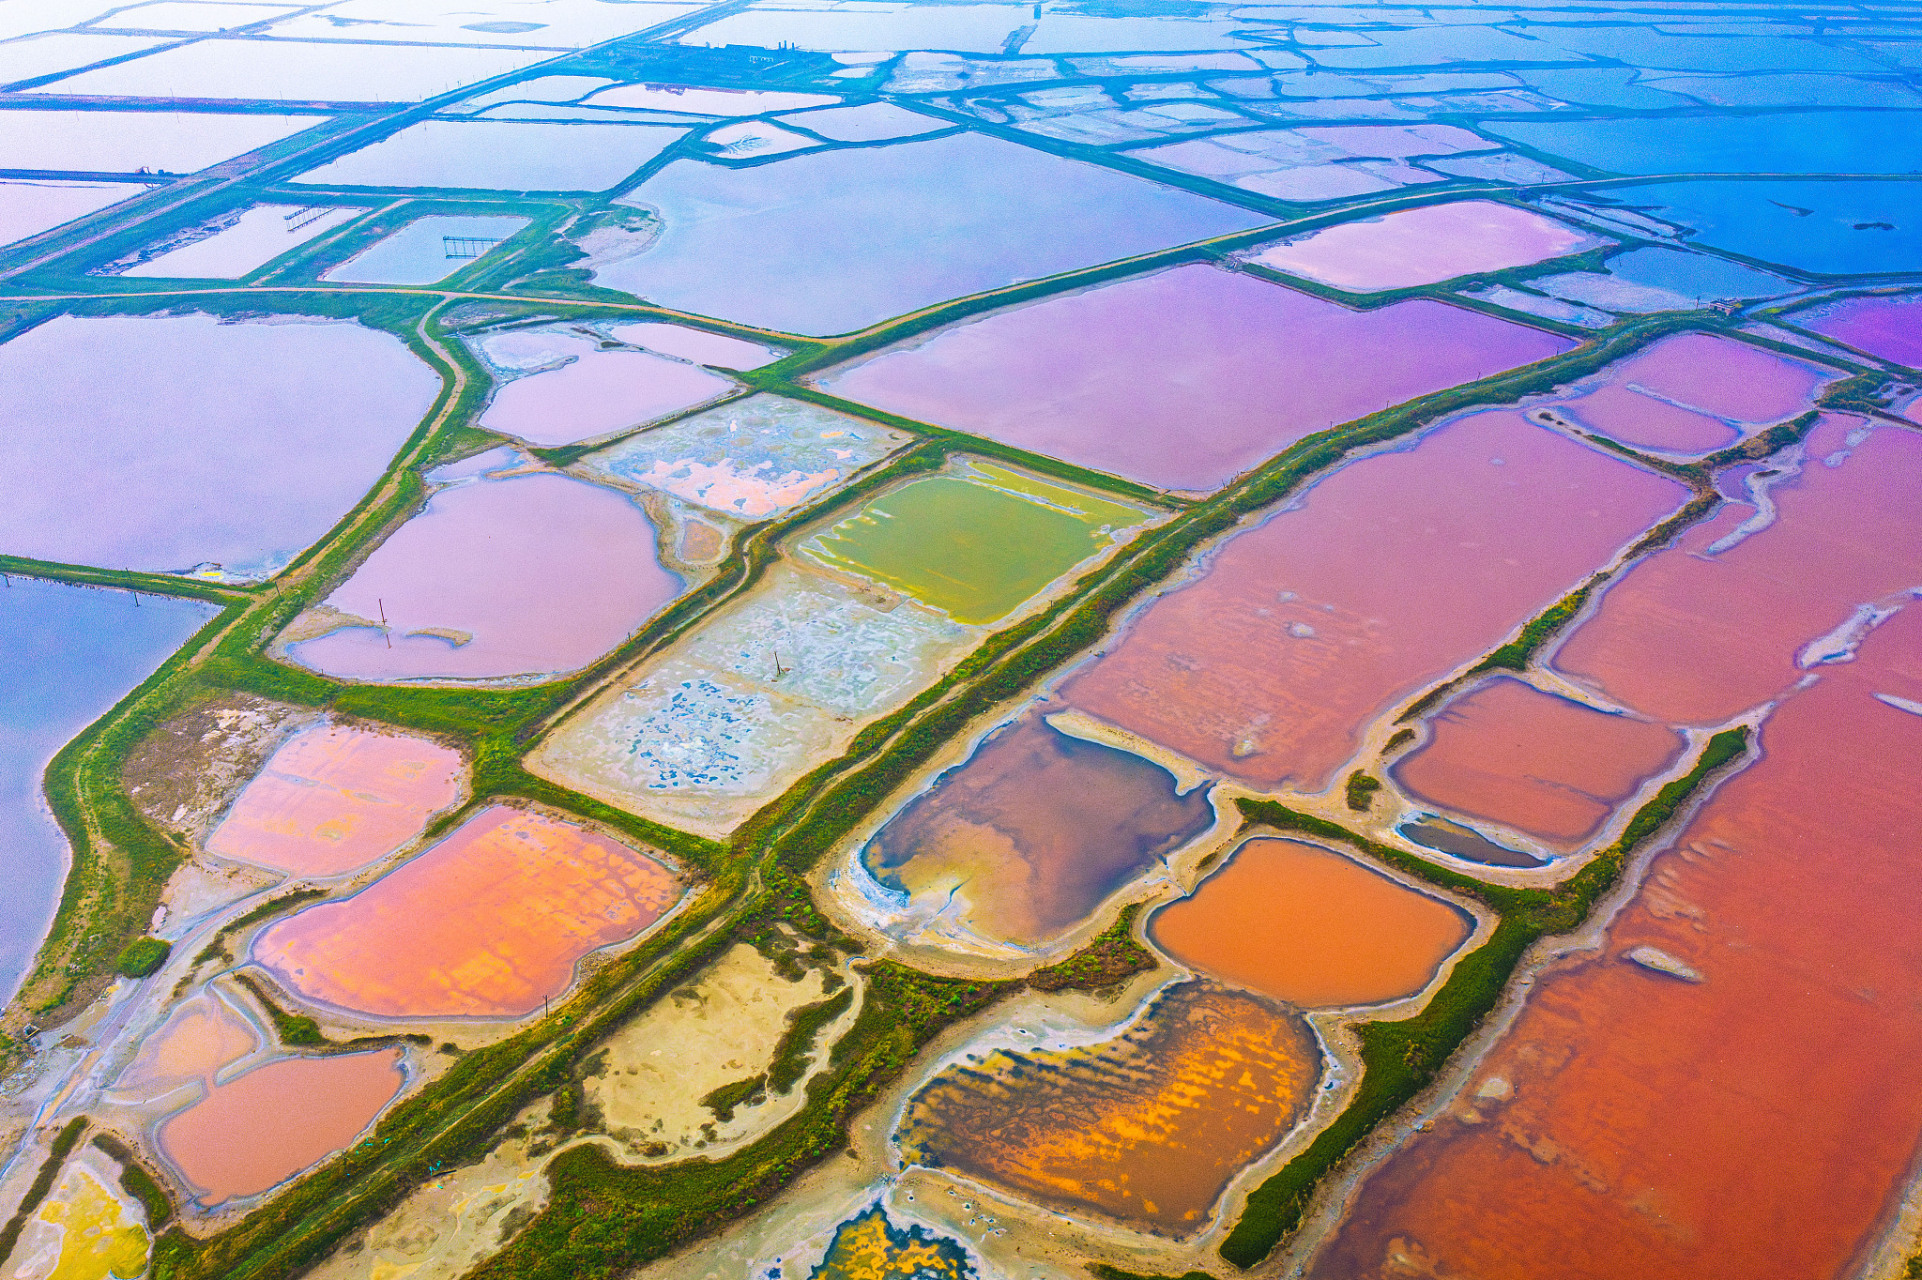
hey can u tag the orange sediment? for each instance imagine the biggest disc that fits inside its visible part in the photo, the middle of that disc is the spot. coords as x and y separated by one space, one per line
1148 1127
1539 763
1745 1118
1306 925
487 922
335 798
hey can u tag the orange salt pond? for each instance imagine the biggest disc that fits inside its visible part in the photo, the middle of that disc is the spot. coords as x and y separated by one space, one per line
1304 924
202 1036
1538 763
1726 618
1390 573
335 798
485 923
1148 1127
1745 1119
261 1128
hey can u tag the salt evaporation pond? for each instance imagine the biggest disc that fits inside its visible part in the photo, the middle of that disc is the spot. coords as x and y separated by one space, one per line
28 208
1694 393
1533 761
1384 577
768 687
1185 378
487 922
750 459
1310 927
70 653
245 243
975 543
773 245
257 1130
706 102
335 798
870 1247
1888 326
129 141
1426 245
1729 616
1825 227
1776 142
698 345
1147 1127
499 155
425 251
200 1038
869 122
1645 281
587 392
275 70
167 442
1029 835
1740 1124
529 575
83 1230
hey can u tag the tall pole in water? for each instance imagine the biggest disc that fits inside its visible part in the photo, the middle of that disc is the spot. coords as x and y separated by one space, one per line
381 604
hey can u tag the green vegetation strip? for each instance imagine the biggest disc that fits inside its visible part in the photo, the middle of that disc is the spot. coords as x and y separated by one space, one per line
63 1144
1113 956
137 1182
1400 1058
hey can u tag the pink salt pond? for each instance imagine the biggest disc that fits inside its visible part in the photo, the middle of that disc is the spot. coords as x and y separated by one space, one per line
487 923
335 798
1887 326
262 1127
201 1037
1730 616
1538 763
527 575
1184 378
1390 573
1425 246
1694 393
599 393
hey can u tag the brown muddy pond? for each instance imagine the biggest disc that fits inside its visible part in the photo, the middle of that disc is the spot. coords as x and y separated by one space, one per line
1632 1123
1031 833
1545 765
1387 575
1727 617
1306 925
265 1126
1148 1127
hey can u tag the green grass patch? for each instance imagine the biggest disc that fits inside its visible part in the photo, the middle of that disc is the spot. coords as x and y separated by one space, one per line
137 1182
142 956
724 1100
1359 791
293 1028
794 1053
1110 957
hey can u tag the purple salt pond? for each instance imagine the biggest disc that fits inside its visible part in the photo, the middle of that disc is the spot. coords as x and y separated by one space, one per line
598 393
1185 378
1886 326
1426 245
527 575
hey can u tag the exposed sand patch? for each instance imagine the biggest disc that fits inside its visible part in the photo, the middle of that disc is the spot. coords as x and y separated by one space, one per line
718 1031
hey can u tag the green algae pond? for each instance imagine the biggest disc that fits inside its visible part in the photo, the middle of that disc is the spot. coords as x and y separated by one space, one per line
975 542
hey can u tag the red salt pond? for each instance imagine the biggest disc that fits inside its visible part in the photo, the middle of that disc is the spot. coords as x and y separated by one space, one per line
1392 572
528 575
335 798
1546 765
485 923
261 1128
1693 635
599 393
1888 326
1185 378
1306 925
1693 393
1424 246
1751 1123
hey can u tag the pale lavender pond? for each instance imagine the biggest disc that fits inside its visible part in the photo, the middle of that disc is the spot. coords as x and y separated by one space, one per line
832 241
524 575
170 442
1885 325
1185 378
